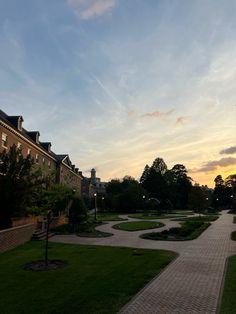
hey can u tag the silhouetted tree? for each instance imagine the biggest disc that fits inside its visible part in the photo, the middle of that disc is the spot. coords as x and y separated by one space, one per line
197 199
180 186
20 184
125 195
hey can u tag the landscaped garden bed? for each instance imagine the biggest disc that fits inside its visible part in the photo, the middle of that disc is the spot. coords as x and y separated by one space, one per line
154 216
96 279
138 225
189 230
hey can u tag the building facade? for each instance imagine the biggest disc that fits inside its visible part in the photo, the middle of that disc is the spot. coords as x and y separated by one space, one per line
58 166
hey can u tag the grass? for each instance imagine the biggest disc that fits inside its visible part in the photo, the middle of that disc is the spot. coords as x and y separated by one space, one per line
96 280
151 216
85 229
205 218
233 236
138 225
228 303
184 212
109 217
189 230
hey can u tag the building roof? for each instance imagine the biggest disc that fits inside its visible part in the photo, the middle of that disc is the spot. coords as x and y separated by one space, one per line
12 121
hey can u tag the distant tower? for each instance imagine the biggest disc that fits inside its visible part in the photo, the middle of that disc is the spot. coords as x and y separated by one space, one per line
93 175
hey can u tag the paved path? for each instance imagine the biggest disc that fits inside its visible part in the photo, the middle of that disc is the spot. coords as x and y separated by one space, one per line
189 285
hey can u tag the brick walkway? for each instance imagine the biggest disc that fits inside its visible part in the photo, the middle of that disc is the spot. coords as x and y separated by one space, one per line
189 285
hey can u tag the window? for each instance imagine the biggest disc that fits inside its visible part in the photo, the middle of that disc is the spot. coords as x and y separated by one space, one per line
19 145
43 160
37 158
29 151
49 164
4 140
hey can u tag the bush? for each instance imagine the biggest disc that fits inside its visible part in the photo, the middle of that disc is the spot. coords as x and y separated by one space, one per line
77 213
188 231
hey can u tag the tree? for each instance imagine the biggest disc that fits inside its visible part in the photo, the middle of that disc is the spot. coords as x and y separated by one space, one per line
77 213
220 193
145 174
159 166
20 184
125 195
153 179
197 199
55 198
180 186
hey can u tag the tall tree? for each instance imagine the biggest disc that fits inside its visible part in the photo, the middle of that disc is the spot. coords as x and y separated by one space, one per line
159 166
145 174
153 179
20 184
220 198
181 186
197 199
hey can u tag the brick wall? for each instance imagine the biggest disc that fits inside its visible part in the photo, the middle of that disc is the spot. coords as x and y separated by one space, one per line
25 220
12 237
58 221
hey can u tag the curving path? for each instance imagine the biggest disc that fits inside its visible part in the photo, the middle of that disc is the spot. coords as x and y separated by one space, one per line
191 284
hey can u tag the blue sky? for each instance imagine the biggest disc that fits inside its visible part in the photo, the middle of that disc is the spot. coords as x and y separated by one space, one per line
117 83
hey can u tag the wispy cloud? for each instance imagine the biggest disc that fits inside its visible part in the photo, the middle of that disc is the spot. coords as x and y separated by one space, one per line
181 120
157 114
214 164
230 150
86 9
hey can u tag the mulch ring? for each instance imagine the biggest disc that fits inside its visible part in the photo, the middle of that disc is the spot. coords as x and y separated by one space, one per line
41 265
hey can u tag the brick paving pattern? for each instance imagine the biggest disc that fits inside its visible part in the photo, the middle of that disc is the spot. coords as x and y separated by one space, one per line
189 285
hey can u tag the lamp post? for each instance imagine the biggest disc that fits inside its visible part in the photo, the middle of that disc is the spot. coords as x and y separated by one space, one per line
95 205
103 207
144 197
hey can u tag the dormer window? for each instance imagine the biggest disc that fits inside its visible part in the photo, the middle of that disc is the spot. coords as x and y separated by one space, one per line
4 140
37 158
19 145
34 135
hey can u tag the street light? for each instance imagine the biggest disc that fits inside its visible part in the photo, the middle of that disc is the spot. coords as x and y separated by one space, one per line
103 207
143 202
95 204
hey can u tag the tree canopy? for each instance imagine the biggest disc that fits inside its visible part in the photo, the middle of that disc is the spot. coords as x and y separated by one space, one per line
169 186
20 184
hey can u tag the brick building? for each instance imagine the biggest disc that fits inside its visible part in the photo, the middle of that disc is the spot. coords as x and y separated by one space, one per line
59 166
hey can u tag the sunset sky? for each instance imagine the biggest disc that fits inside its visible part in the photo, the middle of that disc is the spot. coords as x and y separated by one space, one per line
117 83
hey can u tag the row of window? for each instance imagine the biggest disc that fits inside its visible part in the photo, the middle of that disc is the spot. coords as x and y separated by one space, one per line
19 146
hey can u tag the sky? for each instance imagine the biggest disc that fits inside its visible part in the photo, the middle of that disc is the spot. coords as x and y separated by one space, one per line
117 83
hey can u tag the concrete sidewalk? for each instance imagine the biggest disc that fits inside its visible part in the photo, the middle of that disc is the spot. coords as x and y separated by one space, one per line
189 285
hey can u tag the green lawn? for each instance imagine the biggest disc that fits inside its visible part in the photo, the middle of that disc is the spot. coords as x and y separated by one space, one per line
138 225
96 280
85 229
199 218
109 217
184 212
228 305
146 216
233 235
